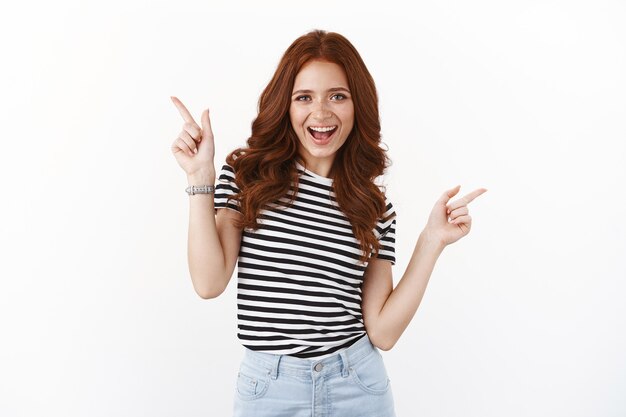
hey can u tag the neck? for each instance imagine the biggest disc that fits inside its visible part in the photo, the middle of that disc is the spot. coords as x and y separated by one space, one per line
320 169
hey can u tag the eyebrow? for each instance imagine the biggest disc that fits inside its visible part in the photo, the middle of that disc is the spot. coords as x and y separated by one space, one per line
329 90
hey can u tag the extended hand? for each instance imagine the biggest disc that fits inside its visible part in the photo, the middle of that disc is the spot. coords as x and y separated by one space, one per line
194 148
449 231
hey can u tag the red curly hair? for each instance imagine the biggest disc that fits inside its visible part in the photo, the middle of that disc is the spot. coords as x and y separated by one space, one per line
265 169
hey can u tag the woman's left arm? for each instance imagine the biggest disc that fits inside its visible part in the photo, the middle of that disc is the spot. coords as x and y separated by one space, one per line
386 311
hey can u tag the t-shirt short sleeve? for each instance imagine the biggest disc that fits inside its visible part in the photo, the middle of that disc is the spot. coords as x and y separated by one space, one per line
386 234
225 189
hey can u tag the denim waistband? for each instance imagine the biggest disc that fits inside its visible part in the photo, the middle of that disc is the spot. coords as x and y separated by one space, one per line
303 367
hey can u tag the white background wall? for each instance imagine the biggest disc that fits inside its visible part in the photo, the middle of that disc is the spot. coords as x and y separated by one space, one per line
523 317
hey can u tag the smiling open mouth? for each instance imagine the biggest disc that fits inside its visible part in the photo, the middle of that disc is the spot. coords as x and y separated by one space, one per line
322 134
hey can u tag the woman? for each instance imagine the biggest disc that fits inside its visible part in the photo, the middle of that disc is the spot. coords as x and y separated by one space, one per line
313 235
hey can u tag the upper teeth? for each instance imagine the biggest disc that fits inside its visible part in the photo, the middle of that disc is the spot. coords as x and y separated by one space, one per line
322 129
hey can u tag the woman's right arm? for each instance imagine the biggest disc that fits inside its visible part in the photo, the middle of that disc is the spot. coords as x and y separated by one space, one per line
213 243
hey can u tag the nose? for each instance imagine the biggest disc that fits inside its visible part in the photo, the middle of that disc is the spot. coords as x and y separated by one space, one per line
321 111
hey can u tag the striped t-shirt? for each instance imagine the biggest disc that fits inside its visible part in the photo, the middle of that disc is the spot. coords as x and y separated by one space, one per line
299 280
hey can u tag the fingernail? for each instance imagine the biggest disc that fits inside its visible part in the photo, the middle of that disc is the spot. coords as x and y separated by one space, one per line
195 150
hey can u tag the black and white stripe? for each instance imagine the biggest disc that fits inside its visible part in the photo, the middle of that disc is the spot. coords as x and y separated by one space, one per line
299 281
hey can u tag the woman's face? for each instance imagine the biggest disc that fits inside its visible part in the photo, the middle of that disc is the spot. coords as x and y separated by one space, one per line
321 113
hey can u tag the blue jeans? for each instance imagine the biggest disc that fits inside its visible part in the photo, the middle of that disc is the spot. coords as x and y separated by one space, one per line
353 382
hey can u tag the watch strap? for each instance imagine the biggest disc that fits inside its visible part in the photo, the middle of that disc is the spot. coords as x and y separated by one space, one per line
200 189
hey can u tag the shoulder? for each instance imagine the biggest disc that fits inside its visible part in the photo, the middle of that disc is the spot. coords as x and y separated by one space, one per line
387 221
390 210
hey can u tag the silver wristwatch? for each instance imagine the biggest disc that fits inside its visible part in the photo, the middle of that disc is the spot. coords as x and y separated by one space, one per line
200 189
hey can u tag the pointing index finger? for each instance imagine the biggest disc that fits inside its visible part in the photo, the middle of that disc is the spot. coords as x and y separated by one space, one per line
471 196
183 110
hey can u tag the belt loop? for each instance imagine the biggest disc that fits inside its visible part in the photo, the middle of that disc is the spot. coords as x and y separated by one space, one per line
274 371
346 364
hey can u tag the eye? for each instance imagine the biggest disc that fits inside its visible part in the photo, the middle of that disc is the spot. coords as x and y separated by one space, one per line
341 96
302 98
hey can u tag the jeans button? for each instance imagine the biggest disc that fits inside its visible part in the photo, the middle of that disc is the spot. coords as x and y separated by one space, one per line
318 367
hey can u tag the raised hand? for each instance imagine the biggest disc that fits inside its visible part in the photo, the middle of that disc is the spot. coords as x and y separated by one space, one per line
194 148
447 231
